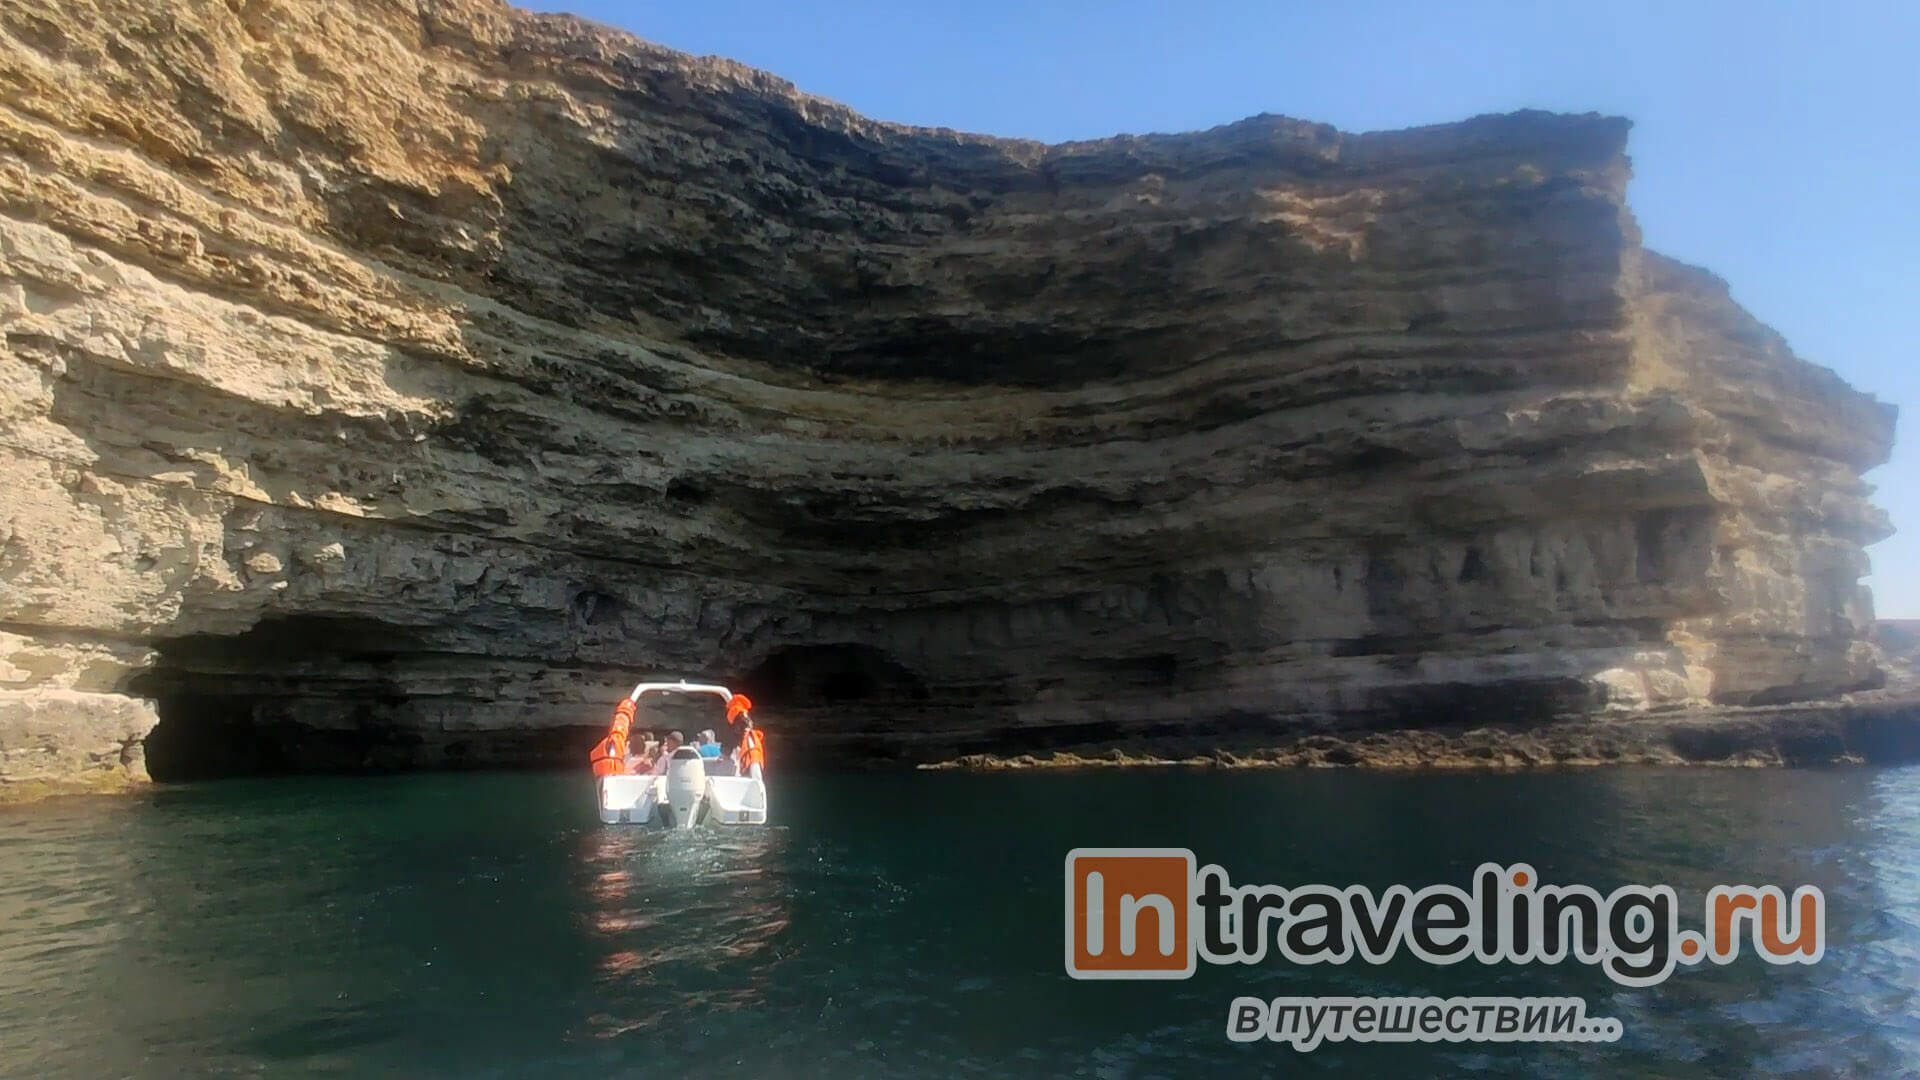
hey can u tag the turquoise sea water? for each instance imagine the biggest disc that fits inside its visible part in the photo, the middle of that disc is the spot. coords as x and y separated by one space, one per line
486 925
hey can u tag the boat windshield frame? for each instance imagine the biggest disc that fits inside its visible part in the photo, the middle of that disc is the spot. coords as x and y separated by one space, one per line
681 687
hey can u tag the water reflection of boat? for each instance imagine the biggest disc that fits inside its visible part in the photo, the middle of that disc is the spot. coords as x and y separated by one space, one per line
689 789
681 929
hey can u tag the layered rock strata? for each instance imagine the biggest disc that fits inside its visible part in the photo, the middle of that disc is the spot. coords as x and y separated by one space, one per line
390 384
1899 643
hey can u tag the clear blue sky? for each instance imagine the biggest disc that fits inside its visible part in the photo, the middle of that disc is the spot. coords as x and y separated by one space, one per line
1776 144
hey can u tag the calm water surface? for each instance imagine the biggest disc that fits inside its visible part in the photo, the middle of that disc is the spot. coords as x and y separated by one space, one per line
489 926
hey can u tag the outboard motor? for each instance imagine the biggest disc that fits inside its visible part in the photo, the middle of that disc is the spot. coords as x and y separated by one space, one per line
686 785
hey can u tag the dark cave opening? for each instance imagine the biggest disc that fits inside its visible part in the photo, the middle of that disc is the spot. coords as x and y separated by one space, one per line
294 694
203 737
689 492
811 676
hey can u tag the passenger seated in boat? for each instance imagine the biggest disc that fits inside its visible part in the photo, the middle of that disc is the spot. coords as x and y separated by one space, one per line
709 745
641 761
668 745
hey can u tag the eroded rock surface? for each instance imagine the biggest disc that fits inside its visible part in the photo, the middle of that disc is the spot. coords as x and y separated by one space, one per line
389 384
1899 642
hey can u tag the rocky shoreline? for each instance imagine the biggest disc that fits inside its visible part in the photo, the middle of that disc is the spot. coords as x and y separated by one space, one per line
1879 728
59 742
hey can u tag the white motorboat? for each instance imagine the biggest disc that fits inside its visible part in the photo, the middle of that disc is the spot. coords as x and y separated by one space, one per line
687 789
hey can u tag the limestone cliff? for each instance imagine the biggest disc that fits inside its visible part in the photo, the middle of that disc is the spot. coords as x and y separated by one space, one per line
1899 641
390 383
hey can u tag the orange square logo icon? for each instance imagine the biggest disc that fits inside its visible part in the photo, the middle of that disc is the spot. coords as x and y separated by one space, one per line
1130 913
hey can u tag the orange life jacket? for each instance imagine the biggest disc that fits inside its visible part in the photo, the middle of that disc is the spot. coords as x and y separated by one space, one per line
610 754
753 750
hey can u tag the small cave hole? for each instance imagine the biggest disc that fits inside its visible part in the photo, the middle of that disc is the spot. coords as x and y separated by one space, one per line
686 491
591 607
1473 567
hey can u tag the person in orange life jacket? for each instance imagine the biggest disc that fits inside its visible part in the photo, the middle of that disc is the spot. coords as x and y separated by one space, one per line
752 750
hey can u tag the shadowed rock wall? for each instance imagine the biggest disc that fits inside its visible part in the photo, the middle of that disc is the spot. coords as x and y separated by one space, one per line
390 384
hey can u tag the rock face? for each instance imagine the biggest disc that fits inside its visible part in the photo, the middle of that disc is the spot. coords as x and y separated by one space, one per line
389 384
1899 641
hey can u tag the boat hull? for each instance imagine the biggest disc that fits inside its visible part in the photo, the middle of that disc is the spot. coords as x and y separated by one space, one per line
651 800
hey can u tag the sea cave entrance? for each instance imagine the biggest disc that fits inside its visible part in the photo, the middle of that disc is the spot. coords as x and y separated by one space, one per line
807 677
